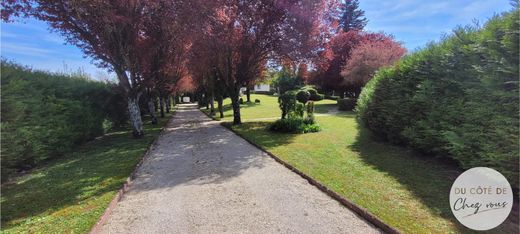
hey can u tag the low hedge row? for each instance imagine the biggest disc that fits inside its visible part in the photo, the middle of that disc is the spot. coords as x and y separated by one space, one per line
457 98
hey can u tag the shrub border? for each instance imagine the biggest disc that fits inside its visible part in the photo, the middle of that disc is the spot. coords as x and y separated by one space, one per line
124 188
345 202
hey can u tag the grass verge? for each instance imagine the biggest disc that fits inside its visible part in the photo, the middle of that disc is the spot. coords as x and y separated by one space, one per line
69 194
404 189
266 109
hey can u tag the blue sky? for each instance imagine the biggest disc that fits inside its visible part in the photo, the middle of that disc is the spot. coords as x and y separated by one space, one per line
413 22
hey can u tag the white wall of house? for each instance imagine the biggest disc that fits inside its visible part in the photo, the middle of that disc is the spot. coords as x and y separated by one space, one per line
262 87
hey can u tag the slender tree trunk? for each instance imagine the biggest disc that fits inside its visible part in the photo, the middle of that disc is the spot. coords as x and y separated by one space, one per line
248 93
212 104
220 101
151 109
161 105
135 117
168 103
236 106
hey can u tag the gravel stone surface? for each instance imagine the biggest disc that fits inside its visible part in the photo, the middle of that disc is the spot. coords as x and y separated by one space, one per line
202 178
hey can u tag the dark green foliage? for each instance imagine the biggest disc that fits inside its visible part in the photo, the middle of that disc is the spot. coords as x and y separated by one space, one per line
303 96
315 96
330 97
299 110
257 100
263 92
353 18
458 98
45 115
286 81
287 103
310 109
347 104
241 101
294 125
293 120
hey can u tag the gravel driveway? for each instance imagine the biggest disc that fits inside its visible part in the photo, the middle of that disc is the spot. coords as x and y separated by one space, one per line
202 178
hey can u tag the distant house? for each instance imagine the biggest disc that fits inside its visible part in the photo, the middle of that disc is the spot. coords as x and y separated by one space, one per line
262 88
257 88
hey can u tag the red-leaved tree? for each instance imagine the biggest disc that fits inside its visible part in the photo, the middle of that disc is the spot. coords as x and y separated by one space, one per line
243 35
335 54
366 58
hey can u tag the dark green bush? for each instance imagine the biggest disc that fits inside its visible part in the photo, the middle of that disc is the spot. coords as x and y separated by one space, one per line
257 100
458 98
44 115
287 103
310 109
299 111
315 96
293 125
241 101
331 97
263 92
303 96
347 104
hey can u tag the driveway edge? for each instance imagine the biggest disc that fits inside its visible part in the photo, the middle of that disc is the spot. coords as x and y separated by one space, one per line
124 188
345 202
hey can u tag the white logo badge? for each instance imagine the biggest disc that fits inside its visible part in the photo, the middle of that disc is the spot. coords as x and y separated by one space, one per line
481 198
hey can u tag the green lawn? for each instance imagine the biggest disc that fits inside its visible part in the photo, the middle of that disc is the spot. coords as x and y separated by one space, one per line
267 108
405 190
68 195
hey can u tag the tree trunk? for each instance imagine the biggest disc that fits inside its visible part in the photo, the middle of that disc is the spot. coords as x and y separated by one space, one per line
151 109
248 93
135 117
161 105
212 104
236 107
168 103
220 101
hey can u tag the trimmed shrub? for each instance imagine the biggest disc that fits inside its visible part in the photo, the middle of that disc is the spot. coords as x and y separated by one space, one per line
293 125
317 97
299 111
330 97
287 103
458 98
263 92
240 101
310 109
257 101
303 96
45 115
347 104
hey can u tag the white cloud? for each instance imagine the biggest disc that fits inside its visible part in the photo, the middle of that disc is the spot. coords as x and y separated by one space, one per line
25 50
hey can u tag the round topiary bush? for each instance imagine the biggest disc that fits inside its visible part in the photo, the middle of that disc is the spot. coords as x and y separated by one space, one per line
303 96
347 104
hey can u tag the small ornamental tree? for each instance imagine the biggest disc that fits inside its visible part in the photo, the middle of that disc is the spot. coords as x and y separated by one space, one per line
366 58
245 34
303 96
335 55
107 31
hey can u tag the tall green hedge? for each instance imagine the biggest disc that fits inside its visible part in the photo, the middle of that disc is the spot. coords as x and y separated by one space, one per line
457 98
44 115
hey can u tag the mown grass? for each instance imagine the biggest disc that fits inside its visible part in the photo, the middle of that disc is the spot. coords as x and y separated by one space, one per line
68 195
267 108
406 190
